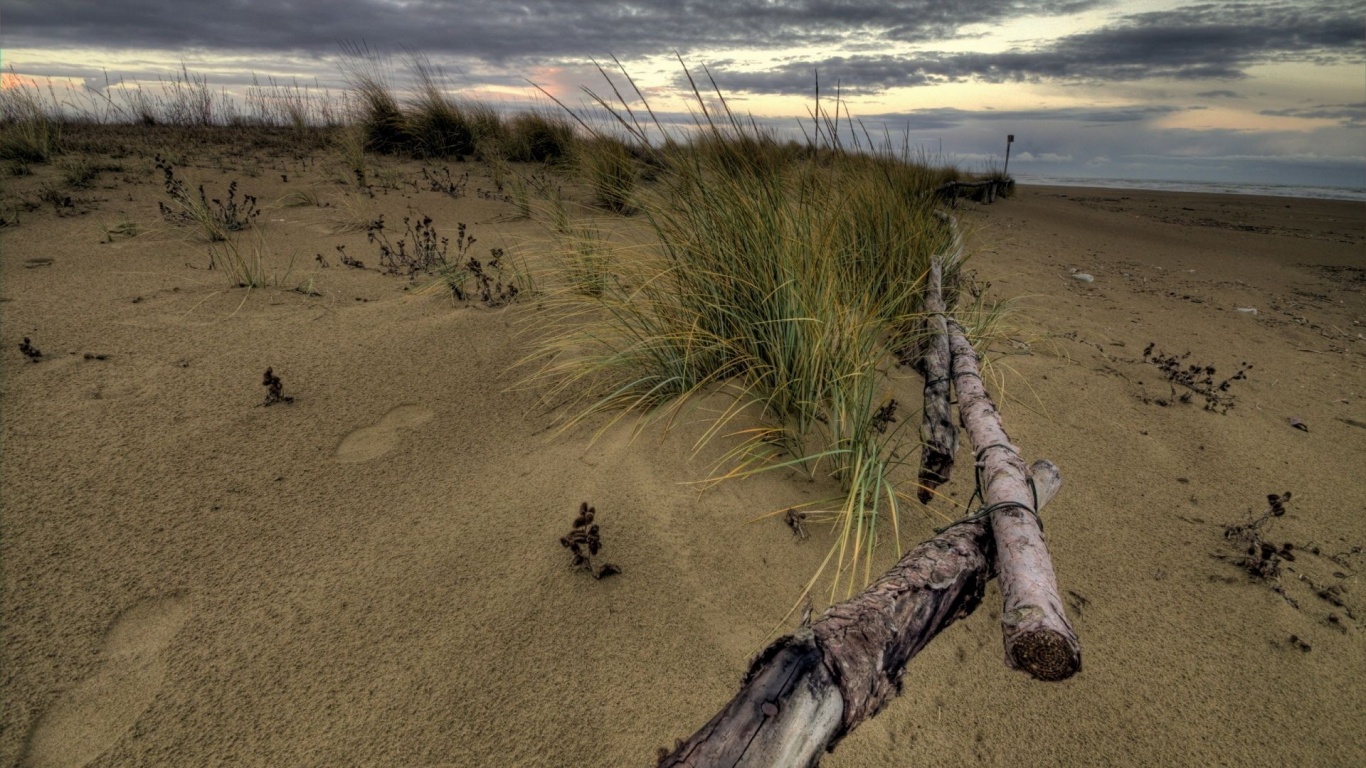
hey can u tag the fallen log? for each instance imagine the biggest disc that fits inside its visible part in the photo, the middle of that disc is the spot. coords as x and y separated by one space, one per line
807 690
1038 637
981 191
938 436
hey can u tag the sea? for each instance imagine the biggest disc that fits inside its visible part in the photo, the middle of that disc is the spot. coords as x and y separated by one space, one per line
1223 188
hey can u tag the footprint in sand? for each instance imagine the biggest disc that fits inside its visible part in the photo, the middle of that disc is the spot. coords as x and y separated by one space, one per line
88 719
379 438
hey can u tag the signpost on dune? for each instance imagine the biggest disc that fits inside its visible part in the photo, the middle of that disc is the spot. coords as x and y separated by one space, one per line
1010 139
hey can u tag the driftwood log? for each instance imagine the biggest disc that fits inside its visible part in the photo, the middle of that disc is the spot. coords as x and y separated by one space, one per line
808 689
1038 637
938 436
981 191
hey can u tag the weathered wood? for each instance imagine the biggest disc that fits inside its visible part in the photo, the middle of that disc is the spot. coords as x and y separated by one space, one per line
1038 637
785 713
981 191
808 689
938 435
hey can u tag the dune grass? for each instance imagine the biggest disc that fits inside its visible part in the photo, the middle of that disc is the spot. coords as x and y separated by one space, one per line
435 124
383 127
30 125
298 107
244 263
788 278
611 170
442 126
538 136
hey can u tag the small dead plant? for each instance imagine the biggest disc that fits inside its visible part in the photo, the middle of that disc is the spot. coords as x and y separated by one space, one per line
30 351
584 541
274 389
1260 557
1197 380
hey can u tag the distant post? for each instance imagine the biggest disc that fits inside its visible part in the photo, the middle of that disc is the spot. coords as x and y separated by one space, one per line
1010 139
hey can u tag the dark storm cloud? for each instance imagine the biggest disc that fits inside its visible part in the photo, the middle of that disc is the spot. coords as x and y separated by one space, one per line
1220 95
1347 114
498 30
1208 41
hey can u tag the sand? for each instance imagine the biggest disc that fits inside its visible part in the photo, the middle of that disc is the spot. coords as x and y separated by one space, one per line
371 575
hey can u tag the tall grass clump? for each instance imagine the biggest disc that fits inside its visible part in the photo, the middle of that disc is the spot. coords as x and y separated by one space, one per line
30 124
537 136
433 123
244 263
291 105
121 102
443 126
788 279
383 126
611 169
349 142
188 101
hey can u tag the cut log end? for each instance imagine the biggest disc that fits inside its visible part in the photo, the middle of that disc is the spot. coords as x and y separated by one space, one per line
1045 654
1038 637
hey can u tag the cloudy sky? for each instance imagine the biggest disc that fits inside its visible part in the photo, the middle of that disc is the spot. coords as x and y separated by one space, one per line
1246 91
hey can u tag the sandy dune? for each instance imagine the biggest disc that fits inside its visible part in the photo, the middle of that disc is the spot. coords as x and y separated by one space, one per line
371 575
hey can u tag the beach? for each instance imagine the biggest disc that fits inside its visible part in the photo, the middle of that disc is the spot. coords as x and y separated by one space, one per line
371 574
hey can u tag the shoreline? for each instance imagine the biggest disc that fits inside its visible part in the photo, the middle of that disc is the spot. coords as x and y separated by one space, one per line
1295 191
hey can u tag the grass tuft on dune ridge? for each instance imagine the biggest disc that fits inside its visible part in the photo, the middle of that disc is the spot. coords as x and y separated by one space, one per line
30 125
788 277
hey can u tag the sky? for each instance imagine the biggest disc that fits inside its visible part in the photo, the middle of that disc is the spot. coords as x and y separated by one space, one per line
1255 91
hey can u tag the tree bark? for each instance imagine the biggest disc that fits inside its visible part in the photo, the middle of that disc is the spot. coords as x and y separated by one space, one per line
938 436
1038 637
808 689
